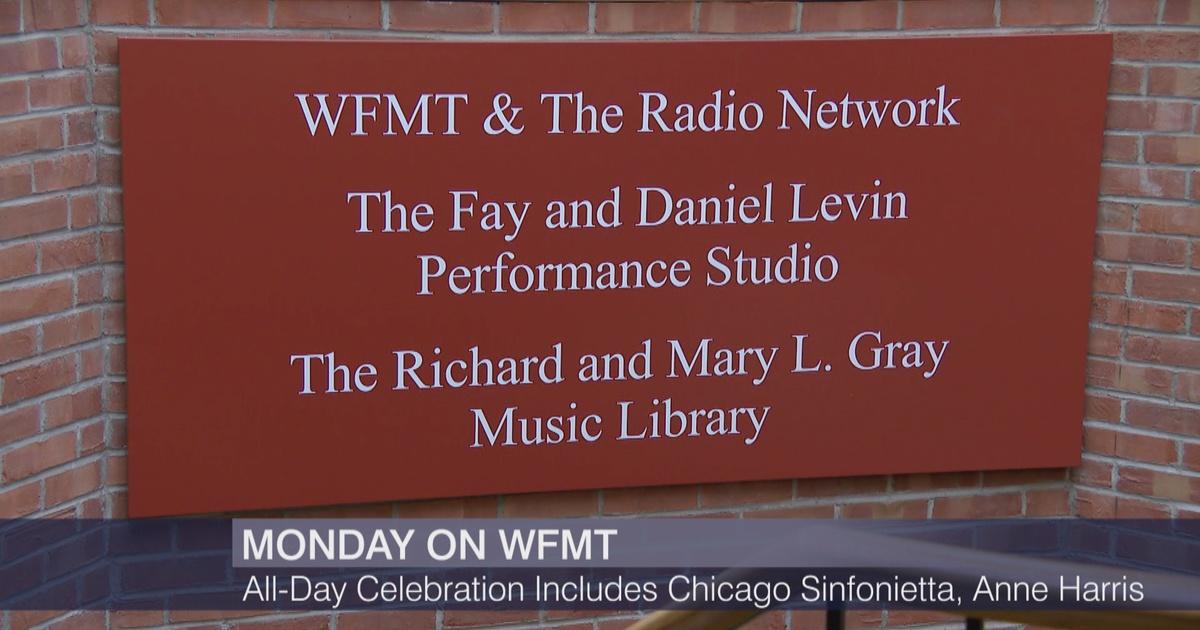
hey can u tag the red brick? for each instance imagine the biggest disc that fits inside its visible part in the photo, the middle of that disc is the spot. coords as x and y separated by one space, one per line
1146 448
23 302
543 17
45 15
67 171
116 365
849 16
902 618
1170 419
203 13
121 12
44 215
1094 504
1132 12
1042 13
307 622
1091 472
70 253
396 620
29 55
554 615
85 211
18 423
14 97
108 169
114 286
118 507
1163 350
551 504
72 329
1109 278
105 44
1189 387
744 493
1141 249
464 507
1182 219
840 486
114 320
31 459
1162 317
18 344
80 620
1175 81
192 616
1120 147
110 204
1166 286
1101 407
327 14
20 501
1173 149
485 618
56 92
1156 46
1115 216
649 500
450 17
81 129
116 470
1100 373
1126 79
747 17
16 180
1136 508
1099 441
112 246
91 363
1045 503
998 478
1104 342
644 17
17 260
911 509
1181 12
27 135
38 378
68 408
1136 379
940 14
978 506
1131 181
1191 457
73 483
799 511
1149 115
76 50
1137 314
10 17
110 128
935 481
89 286
1155 483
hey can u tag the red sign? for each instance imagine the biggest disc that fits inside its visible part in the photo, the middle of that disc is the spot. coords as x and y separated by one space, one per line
362 271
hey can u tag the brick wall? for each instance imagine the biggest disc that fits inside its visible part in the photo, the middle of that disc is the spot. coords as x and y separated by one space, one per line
62 422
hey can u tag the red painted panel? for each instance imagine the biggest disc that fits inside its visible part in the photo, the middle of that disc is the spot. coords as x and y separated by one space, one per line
245 249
